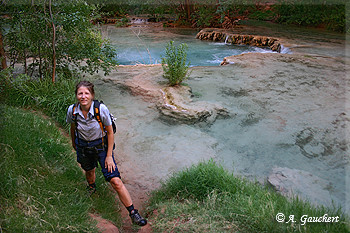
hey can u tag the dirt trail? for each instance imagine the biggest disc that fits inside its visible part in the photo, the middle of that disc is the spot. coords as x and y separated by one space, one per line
104 225
139 195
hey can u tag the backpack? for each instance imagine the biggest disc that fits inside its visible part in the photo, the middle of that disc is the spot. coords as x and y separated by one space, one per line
97 116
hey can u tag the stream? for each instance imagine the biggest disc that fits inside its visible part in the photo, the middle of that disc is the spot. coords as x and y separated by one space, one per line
288 112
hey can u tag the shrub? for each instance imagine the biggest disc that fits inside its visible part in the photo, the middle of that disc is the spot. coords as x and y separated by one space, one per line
174 63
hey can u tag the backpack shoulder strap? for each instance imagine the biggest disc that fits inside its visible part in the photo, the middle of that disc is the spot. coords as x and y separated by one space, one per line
74 116
97 113
98 116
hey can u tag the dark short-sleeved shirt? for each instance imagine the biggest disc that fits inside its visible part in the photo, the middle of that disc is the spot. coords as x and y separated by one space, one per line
89 129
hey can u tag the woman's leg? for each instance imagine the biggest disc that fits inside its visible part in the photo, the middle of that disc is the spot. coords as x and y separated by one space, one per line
90 176
123 193
125 198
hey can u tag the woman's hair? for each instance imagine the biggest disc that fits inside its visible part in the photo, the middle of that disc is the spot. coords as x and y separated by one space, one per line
86 84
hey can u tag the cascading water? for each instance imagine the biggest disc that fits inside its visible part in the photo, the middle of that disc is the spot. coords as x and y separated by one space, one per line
226 39
285 49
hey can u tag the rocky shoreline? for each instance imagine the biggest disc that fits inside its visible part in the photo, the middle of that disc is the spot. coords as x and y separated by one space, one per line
177 106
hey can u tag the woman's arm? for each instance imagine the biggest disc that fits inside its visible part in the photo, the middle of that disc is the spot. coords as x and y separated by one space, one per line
72 135
109 163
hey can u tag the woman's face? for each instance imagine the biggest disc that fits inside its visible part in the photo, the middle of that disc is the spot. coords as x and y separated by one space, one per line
84 96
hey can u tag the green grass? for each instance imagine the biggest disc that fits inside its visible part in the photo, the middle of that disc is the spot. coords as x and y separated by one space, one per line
207 198
51 98
42 187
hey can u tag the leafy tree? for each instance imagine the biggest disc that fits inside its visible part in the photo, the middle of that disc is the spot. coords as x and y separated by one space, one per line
50 36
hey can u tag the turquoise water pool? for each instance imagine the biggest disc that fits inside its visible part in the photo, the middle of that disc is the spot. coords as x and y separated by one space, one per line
139 45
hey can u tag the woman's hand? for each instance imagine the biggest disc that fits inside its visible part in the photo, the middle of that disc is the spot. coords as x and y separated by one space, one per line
109 164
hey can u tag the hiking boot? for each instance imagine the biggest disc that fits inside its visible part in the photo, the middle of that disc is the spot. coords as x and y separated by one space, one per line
137 219
91 189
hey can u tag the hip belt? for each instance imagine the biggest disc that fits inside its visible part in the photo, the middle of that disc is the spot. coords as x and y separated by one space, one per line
90 145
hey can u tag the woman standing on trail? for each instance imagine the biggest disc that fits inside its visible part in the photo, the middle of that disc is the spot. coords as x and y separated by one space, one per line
94 142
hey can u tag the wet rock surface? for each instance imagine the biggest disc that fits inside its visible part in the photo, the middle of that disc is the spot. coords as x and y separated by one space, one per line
283 117
294 182
174 103
178 107
291 114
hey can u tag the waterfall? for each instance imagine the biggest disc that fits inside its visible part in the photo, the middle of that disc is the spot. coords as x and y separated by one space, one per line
226 39
285 50
138 20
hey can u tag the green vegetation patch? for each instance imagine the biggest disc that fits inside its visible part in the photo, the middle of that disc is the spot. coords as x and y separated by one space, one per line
51 98
174 63
42 187
38 162
207 198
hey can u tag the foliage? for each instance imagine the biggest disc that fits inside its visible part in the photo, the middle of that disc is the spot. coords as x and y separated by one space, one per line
123 22
204 16
262 15
78 45
41 187
136 7
211 13
313 13
174 63
53 100
207 198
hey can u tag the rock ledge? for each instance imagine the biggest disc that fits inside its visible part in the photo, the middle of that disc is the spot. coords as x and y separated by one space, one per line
230 38
178 106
